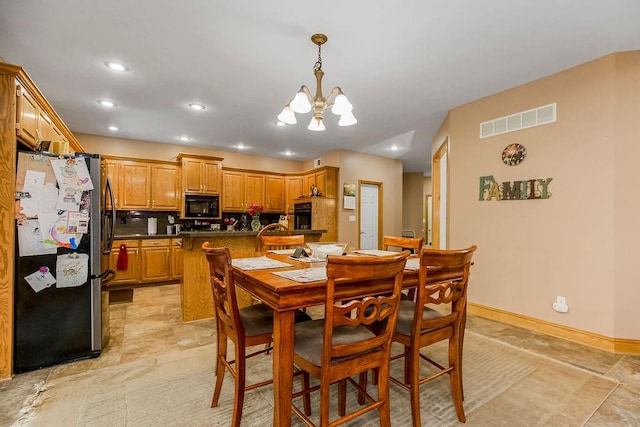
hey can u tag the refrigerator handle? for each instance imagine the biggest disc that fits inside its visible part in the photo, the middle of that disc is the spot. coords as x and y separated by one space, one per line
109 191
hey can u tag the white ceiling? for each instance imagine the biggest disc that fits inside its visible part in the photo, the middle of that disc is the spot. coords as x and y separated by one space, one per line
403 65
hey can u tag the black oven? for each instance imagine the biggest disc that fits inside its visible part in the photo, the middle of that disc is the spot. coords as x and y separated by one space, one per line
302 216
201 206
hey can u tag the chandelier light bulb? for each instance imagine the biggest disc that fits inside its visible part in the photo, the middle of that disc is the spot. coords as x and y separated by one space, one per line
347 119
287 116
300 103
341 105
316 124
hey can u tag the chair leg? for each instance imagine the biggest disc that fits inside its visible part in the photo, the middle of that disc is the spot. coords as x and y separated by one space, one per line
463 324
407 365
383 395
414 385
324 403
238 401
342 397
362 381
306 398
455 377
221 354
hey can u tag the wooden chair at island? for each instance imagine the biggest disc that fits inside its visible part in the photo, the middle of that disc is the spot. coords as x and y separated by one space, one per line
285 241
341 345
246 327
414 244
434 326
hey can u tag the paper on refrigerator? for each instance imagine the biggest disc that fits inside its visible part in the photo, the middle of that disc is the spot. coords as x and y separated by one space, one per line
30 241
72 270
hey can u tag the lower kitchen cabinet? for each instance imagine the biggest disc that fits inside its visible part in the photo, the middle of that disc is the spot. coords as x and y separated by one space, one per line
148 261
155 260
131 274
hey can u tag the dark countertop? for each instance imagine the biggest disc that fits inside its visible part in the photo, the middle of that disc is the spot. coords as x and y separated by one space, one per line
205 233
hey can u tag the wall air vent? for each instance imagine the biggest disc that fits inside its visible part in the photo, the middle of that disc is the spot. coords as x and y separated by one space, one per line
522 120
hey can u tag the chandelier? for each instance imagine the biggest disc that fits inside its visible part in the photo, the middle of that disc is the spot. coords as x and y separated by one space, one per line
303 102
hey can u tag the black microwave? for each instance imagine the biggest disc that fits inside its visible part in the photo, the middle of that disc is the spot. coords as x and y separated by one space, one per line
199 206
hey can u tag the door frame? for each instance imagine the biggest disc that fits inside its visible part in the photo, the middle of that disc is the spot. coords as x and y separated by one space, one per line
437 197
380 210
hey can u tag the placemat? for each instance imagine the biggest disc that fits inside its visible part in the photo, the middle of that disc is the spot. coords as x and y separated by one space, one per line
313 274
258 263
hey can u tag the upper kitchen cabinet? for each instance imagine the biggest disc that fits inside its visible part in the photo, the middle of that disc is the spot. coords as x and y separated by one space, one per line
295 190
35 119
275 193
241 188
325 179
201 174
144 185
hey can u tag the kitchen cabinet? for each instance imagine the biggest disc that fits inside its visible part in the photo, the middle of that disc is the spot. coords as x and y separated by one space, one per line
28 113
241 188
324 216
130 275
295 189
200 174
275 194
165 195
325 179
155 260
176 259
135 185
143 185
148 261
233 183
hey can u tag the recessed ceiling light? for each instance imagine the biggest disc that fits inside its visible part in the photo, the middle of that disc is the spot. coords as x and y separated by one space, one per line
113 128
394 148
197 107
107 103
280 123
241 146
184 138
116 66
289 153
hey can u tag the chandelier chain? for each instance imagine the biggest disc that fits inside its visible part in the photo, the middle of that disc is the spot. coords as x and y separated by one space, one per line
318 64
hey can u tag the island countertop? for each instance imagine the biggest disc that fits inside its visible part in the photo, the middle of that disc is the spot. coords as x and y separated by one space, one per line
195 288
224 233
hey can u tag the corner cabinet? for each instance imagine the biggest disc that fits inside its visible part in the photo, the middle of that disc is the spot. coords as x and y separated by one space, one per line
201 174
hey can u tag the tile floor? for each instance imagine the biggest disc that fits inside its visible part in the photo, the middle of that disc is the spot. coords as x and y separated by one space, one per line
152 324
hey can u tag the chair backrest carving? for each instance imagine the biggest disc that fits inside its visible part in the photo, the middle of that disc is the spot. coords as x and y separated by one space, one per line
361 304
455 264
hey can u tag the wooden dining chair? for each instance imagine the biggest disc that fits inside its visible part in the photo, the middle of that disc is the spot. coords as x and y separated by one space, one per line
413 243
339 346
246 327
419 326
280 241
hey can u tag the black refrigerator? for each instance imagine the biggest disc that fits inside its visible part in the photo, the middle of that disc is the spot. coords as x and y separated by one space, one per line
58 304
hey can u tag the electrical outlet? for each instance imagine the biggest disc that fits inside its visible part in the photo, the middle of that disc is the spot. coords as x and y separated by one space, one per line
560 305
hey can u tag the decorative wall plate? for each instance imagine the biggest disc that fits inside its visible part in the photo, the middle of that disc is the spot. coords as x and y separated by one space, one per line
513 154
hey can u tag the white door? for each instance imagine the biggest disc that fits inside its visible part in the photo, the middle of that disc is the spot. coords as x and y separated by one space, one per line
368 216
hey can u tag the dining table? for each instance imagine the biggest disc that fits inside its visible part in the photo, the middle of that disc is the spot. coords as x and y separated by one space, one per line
285 295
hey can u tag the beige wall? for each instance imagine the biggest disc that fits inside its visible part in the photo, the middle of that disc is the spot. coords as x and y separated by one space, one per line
169 152
358 166
413 203
579 242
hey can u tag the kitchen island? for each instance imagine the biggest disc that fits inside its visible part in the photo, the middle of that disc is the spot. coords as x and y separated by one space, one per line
195 288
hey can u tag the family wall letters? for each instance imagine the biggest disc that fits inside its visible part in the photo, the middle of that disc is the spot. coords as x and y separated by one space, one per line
514 190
